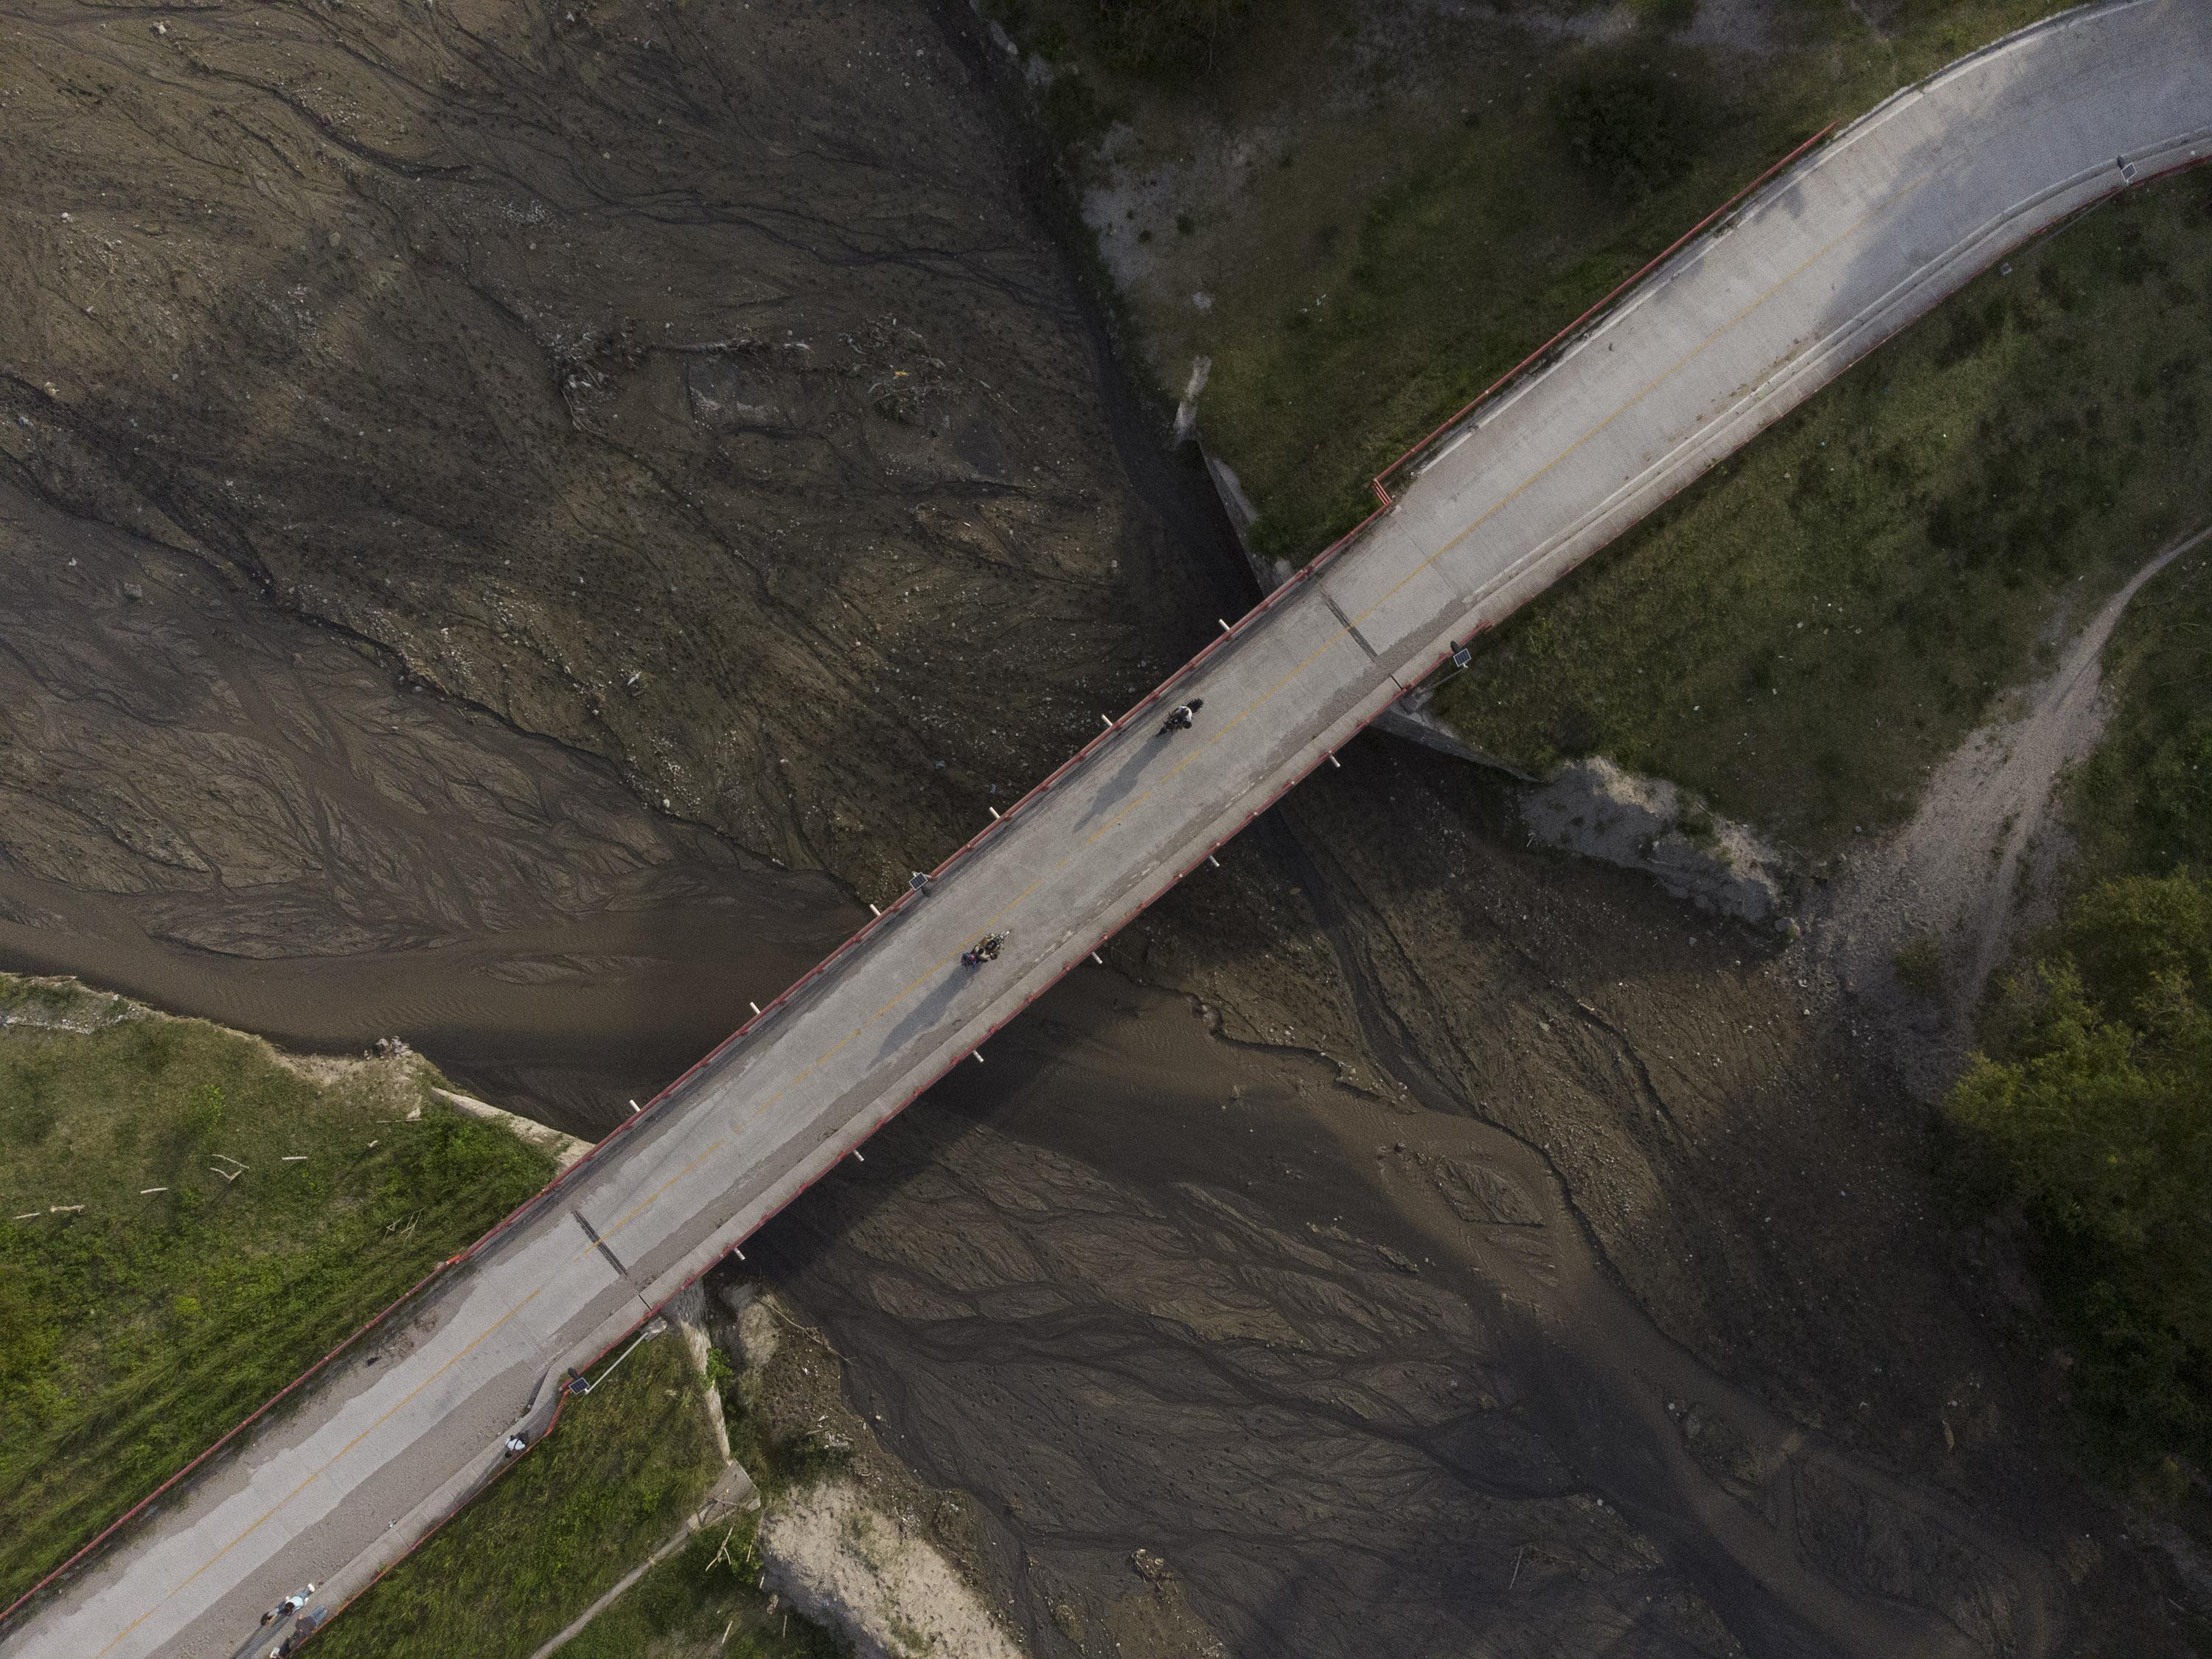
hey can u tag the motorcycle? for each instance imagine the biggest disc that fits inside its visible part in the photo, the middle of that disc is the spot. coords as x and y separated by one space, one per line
1181 717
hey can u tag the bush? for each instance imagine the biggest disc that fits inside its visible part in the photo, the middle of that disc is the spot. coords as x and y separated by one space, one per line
2099 1113
1919 966
1170 37
1633 129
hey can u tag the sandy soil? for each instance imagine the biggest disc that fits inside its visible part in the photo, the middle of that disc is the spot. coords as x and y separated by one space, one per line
842 1563
893 1564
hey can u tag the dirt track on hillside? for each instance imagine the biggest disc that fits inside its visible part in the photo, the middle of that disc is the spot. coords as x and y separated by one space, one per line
1984 857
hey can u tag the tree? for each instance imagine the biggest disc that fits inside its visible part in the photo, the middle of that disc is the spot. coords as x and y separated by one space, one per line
2099 1112
1629 126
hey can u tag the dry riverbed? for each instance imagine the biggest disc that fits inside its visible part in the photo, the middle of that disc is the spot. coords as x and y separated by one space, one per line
1452 1243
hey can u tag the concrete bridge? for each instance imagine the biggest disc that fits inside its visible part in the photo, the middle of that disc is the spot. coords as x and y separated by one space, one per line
1861 235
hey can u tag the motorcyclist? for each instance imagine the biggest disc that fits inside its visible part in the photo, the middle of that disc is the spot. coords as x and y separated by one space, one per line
984 950
1182 716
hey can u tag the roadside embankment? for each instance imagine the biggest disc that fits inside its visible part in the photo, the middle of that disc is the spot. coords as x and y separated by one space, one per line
188 1219
1803 636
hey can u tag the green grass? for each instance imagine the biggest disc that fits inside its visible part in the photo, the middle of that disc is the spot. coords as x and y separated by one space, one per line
2142 803
1801 634
628 1464
616 1479
1422 205
137 1331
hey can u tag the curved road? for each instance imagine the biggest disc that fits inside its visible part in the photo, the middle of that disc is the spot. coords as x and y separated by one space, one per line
1860 237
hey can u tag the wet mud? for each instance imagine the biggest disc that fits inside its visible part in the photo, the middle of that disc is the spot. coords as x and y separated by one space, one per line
1430 1356
691 383
1349 1374
209 803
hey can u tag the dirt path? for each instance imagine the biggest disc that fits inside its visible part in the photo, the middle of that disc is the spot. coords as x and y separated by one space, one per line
1982 857
718 1504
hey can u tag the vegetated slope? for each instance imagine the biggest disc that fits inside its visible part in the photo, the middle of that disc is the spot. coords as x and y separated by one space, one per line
616 1479
1361 215
2089 1110
1363 211
688 383
2142 804
1806 631
2092 1112
187 1221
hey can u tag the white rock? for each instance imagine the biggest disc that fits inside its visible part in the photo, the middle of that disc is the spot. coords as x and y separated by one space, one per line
1595 808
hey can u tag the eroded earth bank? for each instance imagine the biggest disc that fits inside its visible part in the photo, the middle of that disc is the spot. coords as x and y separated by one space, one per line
520 524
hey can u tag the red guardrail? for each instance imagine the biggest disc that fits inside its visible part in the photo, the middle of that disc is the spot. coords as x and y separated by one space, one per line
1313 567
1619 289
561 1403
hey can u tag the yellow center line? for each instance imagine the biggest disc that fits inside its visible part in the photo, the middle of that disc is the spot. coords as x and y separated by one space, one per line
1529 483
647 1202
934 968
324 1467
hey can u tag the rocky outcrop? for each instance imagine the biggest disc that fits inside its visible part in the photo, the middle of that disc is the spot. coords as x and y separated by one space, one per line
1595 808
844 1563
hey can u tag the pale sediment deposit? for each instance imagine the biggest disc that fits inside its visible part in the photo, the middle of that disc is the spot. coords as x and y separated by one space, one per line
1601 811
844 1562
1982 860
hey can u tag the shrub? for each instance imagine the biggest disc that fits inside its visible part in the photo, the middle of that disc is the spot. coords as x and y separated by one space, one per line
1632 128
1919 965
1170 37
2099 1113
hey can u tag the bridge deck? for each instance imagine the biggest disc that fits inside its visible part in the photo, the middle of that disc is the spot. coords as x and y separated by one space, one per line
1841 251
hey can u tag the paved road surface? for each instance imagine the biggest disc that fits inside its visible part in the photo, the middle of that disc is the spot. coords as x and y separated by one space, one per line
1867 232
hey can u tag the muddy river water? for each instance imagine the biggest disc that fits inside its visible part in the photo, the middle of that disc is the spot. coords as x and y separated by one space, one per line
1351 1369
